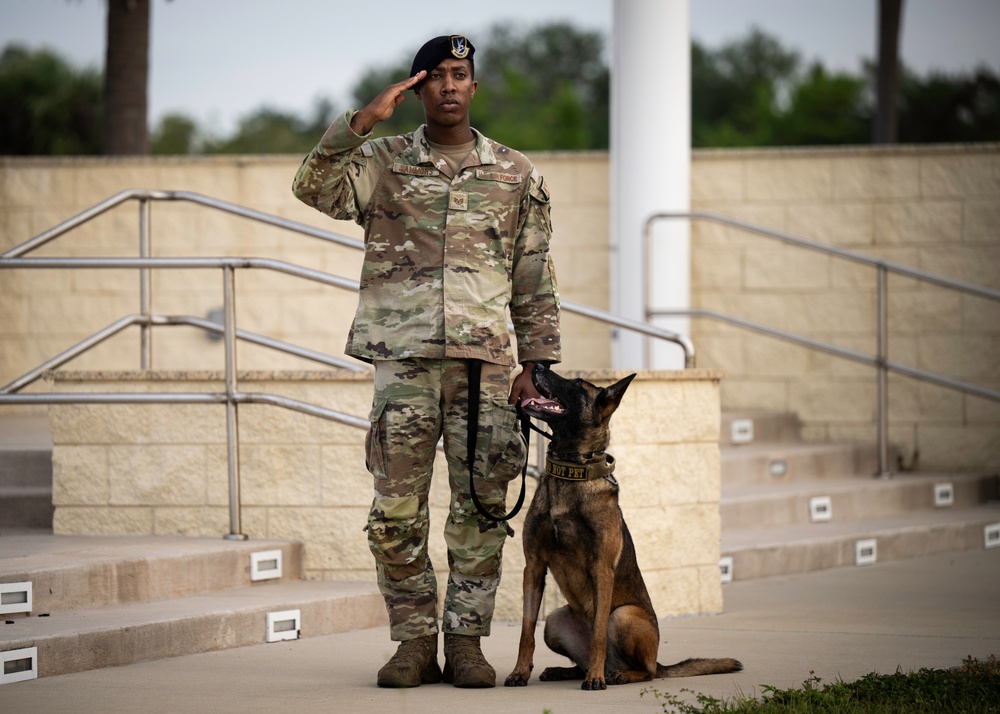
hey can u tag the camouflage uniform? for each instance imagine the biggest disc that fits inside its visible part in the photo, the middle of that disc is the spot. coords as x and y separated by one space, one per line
446 257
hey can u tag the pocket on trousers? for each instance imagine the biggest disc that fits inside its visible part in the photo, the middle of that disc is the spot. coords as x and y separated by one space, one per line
375 446
397 535
508 450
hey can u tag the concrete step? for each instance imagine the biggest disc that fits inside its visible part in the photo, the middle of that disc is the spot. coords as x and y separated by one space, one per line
760 425
26 466
86 572
765 552
103 601
782 462
87 639
26 507
850 499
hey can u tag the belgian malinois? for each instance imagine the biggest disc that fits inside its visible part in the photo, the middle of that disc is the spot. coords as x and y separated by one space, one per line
575 528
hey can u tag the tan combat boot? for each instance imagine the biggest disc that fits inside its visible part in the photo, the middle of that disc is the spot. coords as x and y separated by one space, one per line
464 663
414 663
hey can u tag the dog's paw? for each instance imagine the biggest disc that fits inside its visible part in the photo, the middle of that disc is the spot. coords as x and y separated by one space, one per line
516 679
594 684
618 677
560 674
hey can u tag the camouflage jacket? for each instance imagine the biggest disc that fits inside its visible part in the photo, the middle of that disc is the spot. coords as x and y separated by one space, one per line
446 256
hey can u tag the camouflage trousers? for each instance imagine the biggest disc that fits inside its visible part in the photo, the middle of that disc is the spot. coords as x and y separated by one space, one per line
416 403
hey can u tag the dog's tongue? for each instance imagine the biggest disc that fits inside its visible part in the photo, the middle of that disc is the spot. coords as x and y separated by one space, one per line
542 404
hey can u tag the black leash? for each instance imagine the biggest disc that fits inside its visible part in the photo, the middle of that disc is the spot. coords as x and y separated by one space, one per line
475 373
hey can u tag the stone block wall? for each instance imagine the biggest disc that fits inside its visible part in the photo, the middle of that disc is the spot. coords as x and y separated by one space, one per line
47 311
936 209
161 469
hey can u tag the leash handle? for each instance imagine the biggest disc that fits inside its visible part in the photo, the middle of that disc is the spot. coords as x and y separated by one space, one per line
475 375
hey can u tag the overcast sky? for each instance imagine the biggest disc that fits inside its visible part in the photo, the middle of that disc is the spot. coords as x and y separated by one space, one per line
217 60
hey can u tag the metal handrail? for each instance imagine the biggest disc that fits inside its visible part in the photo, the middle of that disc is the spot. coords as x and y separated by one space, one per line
231 397
168 320
880 360
146 320
144 195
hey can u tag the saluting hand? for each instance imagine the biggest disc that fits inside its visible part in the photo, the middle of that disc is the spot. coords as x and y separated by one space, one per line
382 106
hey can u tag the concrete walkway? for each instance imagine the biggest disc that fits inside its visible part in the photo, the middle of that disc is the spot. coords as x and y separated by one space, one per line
908 614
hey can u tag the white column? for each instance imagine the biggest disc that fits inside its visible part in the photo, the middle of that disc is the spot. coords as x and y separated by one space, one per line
650 170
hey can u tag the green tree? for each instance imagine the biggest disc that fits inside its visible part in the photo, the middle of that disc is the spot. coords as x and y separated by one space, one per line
545 88
47 107
735 90
549 87
824 108
942 107
272 131
175 134
542 88
267 130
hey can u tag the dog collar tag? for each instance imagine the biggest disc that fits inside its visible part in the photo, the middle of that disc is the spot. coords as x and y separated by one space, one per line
580 472
567 472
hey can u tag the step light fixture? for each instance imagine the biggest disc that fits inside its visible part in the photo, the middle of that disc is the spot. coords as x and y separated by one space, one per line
741 431
265 565
865 551
726 568
944 495
15 598
991 535
285 625
820 509
18 665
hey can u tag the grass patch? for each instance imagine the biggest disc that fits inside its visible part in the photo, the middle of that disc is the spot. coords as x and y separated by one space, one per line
973 688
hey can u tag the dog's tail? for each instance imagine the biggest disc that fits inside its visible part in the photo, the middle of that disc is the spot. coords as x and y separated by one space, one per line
697 666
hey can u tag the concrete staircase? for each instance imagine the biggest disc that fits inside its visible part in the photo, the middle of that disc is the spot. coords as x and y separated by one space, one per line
791 507
76 603
101 601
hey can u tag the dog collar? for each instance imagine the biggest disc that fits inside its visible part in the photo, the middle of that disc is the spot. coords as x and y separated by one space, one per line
569 471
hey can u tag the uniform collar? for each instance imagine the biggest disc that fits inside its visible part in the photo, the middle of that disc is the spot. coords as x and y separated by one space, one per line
422 152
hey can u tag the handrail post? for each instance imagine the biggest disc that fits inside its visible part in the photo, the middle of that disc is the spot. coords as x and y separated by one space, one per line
883 374
232 417
145 287
647 290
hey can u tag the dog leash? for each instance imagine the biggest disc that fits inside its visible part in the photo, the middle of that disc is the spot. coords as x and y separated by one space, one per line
475 373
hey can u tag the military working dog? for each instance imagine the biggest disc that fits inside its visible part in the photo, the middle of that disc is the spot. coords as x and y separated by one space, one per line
575 528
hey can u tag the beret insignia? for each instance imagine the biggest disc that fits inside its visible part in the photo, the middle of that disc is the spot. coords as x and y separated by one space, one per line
459 46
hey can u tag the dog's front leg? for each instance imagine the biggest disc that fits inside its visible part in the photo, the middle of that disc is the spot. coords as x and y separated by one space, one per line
534 587
603 575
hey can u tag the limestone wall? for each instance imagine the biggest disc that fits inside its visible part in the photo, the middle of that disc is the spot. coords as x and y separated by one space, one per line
47 311
933 208
158 469
936 208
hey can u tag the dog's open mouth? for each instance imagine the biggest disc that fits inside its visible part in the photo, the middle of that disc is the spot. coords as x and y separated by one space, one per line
541 405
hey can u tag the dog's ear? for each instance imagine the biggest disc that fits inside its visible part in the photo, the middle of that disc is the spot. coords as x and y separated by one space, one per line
610 397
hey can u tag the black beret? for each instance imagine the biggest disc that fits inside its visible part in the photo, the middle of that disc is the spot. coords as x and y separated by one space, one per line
441 48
